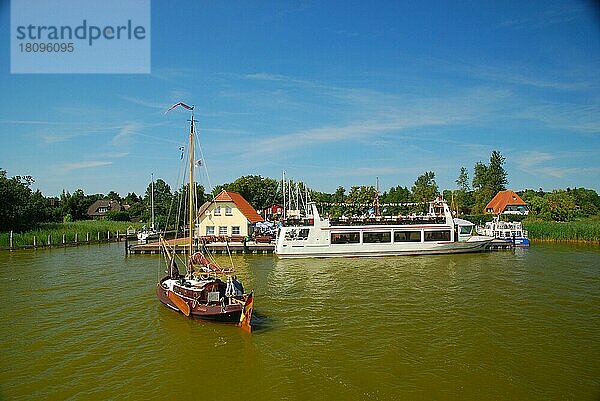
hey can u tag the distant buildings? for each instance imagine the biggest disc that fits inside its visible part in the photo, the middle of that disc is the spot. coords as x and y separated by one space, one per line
506 202
98 209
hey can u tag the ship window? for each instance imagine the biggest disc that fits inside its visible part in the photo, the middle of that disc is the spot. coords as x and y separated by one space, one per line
303 234
345 238
407 236
210 230
465 229
441 235
376 237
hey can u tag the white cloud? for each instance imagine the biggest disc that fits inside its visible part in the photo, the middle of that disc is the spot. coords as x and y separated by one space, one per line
68 167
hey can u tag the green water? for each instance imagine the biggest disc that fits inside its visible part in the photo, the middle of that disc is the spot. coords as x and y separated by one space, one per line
83 323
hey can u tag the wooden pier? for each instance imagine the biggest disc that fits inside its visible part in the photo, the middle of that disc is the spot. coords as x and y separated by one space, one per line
249 247
498 245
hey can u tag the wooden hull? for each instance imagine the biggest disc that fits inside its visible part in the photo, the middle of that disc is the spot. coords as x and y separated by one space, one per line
214 312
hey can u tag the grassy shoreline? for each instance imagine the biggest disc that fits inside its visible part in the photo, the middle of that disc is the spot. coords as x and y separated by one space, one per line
585 231
81 229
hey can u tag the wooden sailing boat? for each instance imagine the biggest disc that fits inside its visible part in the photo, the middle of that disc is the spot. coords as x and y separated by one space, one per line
200 292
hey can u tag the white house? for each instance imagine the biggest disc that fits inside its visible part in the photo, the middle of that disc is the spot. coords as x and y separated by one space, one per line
228 215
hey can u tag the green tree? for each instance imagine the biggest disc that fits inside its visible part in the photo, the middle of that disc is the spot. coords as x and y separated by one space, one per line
259 191
462 196
76 204
360 200
561 205
21 208
112 195
425 188
163 203
488 180
397 194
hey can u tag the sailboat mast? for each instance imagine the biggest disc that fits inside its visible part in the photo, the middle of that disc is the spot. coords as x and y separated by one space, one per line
191 186
152 200
377 198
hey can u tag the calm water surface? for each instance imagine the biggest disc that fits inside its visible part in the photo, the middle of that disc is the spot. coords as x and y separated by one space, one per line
83 323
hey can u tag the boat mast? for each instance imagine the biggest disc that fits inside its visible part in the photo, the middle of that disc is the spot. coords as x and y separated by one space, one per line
377 198
190 188
152 200
283 190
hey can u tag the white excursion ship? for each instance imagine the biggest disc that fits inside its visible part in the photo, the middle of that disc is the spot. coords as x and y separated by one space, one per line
436 232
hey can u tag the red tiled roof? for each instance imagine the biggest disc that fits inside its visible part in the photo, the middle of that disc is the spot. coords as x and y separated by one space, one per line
503 199
241 203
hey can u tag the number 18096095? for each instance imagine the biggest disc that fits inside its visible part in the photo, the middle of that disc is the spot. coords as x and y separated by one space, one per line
46 47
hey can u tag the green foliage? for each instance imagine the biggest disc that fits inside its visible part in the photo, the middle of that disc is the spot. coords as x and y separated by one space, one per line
425 189
362 195
77 204
163 200
114 215
488 180
56 231
21 208
398 194
588 230
260 192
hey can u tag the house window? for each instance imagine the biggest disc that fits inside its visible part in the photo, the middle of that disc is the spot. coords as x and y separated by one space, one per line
210 230
102 210
376 237
218 211
235 230
437 235
345 238
407 236
228 211
222 230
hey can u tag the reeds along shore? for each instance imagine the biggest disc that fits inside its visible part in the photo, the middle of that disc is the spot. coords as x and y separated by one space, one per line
57 234
572 231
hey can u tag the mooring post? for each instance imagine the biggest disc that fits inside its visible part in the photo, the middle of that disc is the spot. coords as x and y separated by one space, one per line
108 236
64 239
49 240
11 239
126 245
34 241
87 237
98 236
76 242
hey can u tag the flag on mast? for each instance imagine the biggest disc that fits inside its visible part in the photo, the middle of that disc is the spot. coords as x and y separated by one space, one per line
180 104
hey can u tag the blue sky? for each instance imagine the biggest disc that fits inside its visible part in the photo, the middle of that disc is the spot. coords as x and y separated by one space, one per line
333 92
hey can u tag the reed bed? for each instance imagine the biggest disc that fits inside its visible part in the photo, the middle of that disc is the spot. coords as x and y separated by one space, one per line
575 231
77 231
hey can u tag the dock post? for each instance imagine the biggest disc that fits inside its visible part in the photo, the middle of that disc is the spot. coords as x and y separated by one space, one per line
98 236
87 237
76 242
11 239
49 240
64 239
126 245
34 241
108 236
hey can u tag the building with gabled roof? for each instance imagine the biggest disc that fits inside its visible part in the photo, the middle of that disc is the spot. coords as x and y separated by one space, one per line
228 215
98 209
506 202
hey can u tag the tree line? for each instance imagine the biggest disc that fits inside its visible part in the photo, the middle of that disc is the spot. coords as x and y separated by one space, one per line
23 209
